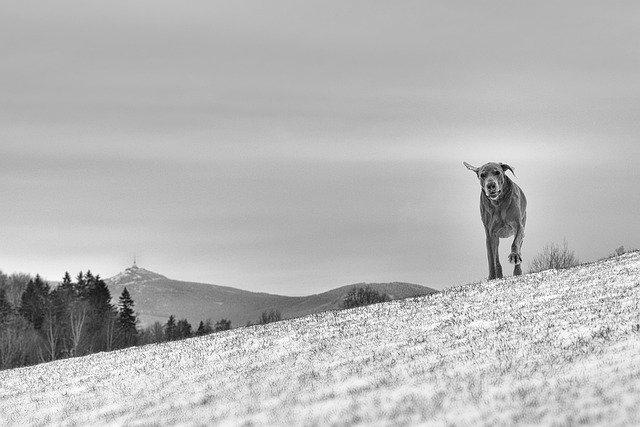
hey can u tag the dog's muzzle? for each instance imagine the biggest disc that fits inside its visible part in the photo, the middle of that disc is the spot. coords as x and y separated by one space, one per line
492 190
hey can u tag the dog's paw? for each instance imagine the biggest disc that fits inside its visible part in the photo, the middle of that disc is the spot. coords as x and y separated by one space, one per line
515 258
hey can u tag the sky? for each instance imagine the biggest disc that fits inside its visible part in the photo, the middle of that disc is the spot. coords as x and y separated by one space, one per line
292 147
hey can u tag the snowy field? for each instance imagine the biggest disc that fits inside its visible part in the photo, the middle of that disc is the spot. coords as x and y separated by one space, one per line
558 347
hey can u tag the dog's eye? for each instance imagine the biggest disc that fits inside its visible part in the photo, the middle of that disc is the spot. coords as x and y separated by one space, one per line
483 175
496 173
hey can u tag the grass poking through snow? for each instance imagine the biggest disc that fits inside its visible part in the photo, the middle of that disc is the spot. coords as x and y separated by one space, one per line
554 347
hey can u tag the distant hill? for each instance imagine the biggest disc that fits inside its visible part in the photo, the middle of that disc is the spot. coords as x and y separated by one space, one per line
156 297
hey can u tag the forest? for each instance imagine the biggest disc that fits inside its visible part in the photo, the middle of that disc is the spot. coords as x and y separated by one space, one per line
40 322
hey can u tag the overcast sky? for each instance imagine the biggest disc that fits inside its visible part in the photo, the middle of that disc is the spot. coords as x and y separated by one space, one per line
292 147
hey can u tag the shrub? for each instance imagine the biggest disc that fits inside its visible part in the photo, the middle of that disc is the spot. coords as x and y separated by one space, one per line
269 316
225 324
554 256
619 251
358 297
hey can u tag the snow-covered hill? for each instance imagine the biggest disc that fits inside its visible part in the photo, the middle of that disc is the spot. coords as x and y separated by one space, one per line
134 275
555 347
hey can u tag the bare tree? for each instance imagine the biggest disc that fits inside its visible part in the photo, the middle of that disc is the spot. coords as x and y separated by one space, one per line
51 332
554 256
18 343
10 341
15 286
157 331
77 319
111 331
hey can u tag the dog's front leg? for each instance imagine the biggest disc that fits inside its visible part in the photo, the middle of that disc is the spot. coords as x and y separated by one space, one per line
495 269
516 257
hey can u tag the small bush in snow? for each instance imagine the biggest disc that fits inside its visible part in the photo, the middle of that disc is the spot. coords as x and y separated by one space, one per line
555 257
619 251
269 316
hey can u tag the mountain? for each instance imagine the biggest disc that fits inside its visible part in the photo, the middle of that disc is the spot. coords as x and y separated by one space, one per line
157 297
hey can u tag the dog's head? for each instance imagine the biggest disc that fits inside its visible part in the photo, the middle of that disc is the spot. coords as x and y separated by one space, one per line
492 178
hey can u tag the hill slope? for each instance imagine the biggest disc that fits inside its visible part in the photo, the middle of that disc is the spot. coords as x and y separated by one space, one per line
558 346
157 297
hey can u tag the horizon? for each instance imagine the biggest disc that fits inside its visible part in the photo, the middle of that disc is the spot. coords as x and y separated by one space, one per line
291 148
135 266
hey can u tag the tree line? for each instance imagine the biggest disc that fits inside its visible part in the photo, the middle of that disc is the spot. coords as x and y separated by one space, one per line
39 323
180 329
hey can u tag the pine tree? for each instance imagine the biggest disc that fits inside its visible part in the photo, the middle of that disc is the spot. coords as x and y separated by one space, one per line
204 328
99 295
77 315
170 329
127 320
34 301
100 313
80 287
66 284
5 307
184 329
200 330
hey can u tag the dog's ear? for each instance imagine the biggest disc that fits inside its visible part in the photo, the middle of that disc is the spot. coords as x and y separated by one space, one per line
471 168
506 167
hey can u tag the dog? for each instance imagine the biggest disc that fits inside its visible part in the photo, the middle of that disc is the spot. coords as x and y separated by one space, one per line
503 209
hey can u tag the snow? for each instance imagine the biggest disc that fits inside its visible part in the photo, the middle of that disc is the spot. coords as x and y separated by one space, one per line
134 275
558 347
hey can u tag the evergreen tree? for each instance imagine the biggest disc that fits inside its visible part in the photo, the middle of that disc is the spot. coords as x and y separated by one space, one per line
99 296
66 284
205 327
170 329
5 307
77 315
88 277
65 294
127 320
101 312
184 329
34 301
80 287
200 330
